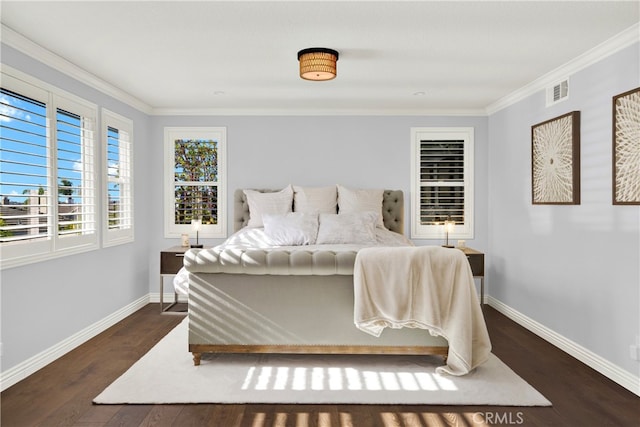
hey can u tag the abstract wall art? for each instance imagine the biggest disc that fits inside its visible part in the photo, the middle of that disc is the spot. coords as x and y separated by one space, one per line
626 148
555 161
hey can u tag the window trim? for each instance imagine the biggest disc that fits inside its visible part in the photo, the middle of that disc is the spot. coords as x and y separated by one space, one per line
172 230
53 247
428 231
116 237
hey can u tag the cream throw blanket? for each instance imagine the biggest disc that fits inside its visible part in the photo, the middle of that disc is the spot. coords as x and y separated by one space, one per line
428 287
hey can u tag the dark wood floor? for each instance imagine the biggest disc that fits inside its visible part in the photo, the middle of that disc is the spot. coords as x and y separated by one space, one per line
61 393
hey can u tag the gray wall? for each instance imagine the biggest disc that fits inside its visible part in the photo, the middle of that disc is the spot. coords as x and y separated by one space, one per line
574 269
354 151
48 302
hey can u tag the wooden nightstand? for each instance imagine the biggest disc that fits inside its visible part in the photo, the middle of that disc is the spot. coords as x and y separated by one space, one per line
171 261
476 261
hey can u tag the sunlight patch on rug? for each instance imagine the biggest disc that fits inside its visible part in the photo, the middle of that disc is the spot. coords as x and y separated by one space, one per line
304 378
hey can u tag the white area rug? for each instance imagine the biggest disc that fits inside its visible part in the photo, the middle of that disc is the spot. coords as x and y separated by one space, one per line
166 374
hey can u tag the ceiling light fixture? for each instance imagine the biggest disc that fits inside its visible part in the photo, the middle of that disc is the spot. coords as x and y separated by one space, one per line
318 63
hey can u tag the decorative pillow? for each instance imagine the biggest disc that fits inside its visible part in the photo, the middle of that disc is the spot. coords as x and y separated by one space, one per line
315 199
292 229
279 202
352 200
357 227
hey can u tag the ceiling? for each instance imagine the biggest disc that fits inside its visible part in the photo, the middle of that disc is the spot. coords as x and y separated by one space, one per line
395 56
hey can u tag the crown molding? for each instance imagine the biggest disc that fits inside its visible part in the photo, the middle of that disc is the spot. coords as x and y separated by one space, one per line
314 112
17 41
624 39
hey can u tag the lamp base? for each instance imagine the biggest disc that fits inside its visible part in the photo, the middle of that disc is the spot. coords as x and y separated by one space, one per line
448 246
196 246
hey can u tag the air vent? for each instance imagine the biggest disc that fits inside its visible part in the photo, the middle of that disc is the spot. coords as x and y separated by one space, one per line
557 92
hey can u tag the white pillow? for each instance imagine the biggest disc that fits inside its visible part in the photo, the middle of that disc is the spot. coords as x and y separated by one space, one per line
357 227
352 200
292 229
260 204
315 199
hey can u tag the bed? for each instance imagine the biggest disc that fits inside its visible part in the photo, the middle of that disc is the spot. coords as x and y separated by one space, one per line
258 293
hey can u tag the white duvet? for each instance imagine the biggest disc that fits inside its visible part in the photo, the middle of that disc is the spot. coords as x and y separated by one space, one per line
256 238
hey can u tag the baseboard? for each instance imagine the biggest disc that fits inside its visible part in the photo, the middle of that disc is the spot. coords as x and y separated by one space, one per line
606 368
154 297
22 370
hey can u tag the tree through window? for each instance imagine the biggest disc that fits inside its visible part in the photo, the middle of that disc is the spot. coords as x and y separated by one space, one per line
196 180
195 171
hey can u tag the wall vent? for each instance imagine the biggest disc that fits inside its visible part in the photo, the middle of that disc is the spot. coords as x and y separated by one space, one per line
558 92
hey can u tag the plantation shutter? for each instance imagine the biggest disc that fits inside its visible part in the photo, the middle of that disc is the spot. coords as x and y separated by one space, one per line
47 172
442 182
75 174
24 169
442 192
119 179
117 133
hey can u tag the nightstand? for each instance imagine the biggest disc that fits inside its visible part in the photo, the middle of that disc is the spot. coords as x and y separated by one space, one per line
171 261
476 261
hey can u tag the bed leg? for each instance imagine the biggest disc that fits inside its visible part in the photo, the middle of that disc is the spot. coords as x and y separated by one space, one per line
196 358
444 359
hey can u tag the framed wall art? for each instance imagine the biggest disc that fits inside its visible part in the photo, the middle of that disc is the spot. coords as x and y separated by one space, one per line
555 161
626 148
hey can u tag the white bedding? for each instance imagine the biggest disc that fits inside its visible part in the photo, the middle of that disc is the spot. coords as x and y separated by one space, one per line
256 238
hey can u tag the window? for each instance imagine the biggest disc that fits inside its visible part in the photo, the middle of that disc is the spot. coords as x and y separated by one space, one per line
47 172
195 181
442 182
118 172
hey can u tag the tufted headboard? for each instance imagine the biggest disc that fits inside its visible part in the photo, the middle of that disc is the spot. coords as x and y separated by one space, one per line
392 209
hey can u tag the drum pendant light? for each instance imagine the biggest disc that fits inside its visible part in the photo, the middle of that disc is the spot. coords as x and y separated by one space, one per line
318 63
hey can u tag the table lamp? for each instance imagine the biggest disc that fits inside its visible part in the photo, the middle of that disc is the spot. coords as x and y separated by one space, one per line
448 227
196 224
